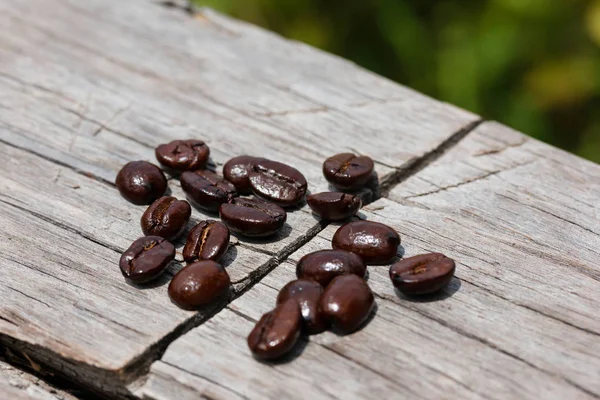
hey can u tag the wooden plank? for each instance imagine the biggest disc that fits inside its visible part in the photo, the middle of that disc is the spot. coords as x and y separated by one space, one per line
89 86
18 385
238 94
518 321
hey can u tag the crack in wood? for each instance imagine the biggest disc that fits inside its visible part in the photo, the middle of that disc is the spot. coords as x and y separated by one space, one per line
535 310
417 164
482 177
228 389
58 162
485 342
64 226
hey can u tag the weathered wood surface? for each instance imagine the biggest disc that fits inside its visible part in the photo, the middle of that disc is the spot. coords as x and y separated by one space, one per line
18 385
86 87
520 319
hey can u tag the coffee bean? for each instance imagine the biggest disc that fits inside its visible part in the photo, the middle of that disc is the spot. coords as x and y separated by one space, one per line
237 172
347 302
307 294
375 243
183 155
167 217
206 241
252 217
199 284
277 332
278 183
334 206
207 190
422 274
324 265
347 171
141 182
146 258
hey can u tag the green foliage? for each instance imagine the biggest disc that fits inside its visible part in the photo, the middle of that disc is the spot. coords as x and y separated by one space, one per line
532 64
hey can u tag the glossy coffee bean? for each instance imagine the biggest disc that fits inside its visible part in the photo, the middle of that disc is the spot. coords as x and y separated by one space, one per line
277 332
146 258
334 206
324 265
307 294
167 217
253 217
347 171
237 171
347 303
141 182
207 190
199 284
278 183
422 274
206 241
375 243
183 155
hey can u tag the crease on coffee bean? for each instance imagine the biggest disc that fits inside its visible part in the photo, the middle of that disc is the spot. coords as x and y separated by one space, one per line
274 174
265 210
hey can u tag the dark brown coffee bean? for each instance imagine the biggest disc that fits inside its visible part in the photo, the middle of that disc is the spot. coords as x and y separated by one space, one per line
307 294
347 302
324 265
141 182
146 258
422 274
207 190
376 243
237 172
347 171
206 241
334 206
199 284
167 217
278 183
252 217
183 155
277 332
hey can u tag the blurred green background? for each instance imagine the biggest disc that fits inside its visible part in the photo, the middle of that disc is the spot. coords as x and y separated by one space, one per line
531 64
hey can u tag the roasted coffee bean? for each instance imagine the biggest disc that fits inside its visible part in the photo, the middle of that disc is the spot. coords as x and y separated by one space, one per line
199 284
237 172
324 265
347 171
278 183
307 294
334 206
167 217
253 217
277 332
422 274
141 182
146 258
206 241
347 303
376 243
183 155
207 190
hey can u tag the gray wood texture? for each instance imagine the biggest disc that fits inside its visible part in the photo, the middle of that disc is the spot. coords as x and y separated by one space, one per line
520 319
18 385
86 87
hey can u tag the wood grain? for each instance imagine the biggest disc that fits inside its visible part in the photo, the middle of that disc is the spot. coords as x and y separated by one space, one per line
518 321
87 87
18 385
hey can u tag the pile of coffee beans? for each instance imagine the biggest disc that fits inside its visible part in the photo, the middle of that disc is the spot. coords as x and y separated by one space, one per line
331 291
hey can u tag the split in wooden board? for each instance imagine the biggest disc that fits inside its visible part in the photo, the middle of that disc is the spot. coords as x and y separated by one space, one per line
90 86
518 321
